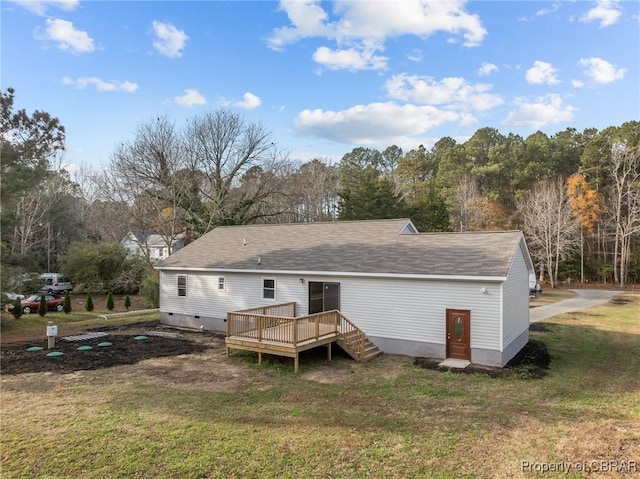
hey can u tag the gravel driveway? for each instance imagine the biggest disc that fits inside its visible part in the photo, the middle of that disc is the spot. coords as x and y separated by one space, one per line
585 298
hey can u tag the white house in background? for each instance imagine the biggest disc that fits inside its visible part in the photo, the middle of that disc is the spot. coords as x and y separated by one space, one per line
438 295
155 246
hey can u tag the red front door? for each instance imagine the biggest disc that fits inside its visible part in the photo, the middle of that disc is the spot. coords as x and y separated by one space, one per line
459 334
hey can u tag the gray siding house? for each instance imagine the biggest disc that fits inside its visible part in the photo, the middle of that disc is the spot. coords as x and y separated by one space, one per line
438 295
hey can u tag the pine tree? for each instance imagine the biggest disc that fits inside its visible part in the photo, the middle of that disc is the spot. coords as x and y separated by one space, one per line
88 304
42 307
66 306
110 304
127 302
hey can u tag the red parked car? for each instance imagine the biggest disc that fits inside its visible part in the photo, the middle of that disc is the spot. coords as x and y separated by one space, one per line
30 304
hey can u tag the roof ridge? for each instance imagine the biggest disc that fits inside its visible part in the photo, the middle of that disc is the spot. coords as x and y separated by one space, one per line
457 233
379 220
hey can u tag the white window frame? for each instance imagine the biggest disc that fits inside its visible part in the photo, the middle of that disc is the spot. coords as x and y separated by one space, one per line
222 283
264 288
179 288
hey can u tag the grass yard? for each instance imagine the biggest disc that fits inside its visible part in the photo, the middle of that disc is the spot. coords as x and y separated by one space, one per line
203 416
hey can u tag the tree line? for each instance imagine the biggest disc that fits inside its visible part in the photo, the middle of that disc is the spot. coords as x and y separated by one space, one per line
576 195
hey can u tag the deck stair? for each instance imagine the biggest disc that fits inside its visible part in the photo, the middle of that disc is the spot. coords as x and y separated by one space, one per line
355 343
277 330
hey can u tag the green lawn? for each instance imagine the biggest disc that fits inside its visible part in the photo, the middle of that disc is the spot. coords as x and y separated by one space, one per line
203 416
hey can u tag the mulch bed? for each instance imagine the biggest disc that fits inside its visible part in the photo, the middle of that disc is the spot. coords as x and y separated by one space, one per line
15 359
532 362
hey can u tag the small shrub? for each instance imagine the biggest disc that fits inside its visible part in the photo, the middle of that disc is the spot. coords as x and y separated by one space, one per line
17 308
88 304
110 304
42 307
127 302
151 289
66 306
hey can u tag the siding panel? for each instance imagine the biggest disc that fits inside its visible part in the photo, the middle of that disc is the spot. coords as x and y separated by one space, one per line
402 309
516 300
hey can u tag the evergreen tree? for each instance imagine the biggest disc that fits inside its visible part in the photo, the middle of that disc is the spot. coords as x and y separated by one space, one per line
88 304
66 306
42 307
127 302
110 304
17 308
428 210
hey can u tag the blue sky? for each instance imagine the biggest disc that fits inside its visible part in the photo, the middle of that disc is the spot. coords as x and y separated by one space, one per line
324 77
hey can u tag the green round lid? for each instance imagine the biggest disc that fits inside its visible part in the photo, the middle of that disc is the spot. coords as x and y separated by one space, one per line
85 348
55 354
141 338
34 349
105 344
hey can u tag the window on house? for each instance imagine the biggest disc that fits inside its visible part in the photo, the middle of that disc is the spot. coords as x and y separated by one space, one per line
182 285
268 288
221 283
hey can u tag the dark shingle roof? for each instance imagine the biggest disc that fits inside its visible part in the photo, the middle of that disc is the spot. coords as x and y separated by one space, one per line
373 247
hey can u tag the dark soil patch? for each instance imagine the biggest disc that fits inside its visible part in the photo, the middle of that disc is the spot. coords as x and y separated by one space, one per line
539 327
532 362
146 325
15 358
620 301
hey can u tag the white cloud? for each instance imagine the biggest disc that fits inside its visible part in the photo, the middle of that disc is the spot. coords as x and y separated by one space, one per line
101 85
605 11
416 55
376 124
601 71
191 97
361 28
454 92
40 7
543 111
67 36
542 72
487 69
555 6
308 20
349 59
169 40
249 101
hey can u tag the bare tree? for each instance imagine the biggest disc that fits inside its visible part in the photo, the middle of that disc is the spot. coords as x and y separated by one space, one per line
143 184
472 207
315 192
548 225
624 205
223 148
33 213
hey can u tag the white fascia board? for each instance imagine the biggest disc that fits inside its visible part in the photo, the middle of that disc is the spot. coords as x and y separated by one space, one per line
492 279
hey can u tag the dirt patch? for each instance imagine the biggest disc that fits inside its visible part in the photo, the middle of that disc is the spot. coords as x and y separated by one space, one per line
124 349
532 362
539 327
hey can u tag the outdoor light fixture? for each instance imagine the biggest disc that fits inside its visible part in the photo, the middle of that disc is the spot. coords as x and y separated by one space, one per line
483 290
302 280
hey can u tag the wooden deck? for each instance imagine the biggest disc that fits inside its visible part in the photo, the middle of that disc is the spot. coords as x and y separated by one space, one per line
276 330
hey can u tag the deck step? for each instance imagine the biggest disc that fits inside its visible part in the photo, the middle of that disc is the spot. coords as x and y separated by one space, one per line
370 350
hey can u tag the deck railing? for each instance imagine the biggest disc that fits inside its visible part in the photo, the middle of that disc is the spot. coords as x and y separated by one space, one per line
284 309
278 324
253 324
351 337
